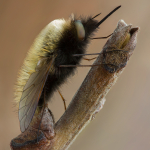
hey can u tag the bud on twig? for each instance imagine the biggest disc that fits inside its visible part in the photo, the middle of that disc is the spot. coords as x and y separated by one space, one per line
119 47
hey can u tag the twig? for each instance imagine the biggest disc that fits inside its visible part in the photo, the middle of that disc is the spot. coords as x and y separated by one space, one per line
90 97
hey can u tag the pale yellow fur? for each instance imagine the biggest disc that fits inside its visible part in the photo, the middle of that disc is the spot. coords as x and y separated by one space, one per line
53 31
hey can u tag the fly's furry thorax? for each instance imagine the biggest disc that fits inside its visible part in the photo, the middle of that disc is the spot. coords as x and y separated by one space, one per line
60 37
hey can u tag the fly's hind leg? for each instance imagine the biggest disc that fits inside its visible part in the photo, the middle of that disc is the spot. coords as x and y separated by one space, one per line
62 99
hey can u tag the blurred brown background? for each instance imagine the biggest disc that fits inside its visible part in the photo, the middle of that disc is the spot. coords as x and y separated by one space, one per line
124 122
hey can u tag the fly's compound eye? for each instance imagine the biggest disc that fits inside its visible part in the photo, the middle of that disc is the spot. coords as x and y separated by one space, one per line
80 30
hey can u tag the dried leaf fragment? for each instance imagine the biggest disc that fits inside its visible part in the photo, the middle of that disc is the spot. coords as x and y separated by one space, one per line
36 137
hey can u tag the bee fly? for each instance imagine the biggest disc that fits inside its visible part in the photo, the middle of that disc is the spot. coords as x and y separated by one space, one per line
53 57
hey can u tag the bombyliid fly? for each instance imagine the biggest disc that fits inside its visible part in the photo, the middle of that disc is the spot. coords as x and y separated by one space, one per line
53 57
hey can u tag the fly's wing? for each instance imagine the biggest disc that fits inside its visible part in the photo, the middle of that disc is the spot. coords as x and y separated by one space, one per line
32 92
